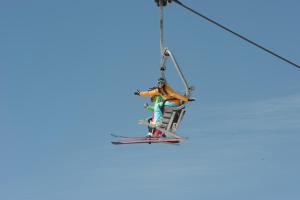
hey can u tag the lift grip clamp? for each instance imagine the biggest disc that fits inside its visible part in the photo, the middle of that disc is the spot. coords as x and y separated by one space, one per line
164 2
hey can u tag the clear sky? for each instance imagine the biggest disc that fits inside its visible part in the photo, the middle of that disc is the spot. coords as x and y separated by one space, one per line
68 70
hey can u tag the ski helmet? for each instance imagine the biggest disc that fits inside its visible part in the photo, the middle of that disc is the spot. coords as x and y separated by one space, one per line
161 82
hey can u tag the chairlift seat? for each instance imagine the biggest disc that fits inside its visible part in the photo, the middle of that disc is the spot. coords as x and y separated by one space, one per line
172 117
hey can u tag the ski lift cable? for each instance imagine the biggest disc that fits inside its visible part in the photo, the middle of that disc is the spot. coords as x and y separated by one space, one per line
237 34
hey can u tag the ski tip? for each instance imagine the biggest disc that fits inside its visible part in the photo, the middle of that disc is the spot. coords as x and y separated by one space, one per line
115 142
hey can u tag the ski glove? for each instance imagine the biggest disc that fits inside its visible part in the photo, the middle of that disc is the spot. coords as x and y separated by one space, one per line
137 93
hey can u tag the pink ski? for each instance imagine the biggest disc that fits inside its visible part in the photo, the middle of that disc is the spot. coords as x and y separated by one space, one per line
143 140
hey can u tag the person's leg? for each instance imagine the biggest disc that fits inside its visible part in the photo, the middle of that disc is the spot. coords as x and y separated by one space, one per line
150 129
168 103
157 112
158 116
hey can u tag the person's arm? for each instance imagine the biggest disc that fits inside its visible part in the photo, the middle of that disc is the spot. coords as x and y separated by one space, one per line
152 92
150 108
176 95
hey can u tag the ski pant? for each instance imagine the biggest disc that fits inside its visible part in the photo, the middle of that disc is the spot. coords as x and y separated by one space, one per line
157 110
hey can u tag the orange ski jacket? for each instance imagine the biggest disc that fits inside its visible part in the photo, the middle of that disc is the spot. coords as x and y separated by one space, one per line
167 93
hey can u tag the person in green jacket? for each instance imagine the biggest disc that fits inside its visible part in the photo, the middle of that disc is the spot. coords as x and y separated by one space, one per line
156 100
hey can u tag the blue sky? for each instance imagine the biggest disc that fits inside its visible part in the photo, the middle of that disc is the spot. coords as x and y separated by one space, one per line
68 70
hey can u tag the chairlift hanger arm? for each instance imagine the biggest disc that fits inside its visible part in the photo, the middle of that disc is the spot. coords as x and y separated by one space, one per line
166 53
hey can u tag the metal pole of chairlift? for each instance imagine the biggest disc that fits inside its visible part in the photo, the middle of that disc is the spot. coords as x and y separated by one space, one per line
163 57
166 53
187 88
161 7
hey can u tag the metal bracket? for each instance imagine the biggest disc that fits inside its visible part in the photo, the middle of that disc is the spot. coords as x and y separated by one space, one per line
166 55
162 2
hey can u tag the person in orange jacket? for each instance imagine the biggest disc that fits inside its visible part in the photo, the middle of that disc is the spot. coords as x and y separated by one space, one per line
170 98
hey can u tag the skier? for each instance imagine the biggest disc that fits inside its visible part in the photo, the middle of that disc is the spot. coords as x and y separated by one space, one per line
152 132
169 96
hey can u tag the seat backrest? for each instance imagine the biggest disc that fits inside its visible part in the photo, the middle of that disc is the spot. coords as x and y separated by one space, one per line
172 117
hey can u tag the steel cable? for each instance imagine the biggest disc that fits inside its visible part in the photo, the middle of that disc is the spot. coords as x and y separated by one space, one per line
237 34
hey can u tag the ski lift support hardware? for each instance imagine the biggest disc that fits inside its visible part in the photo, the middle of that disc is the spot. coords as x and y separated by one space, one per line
172 116
166 53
